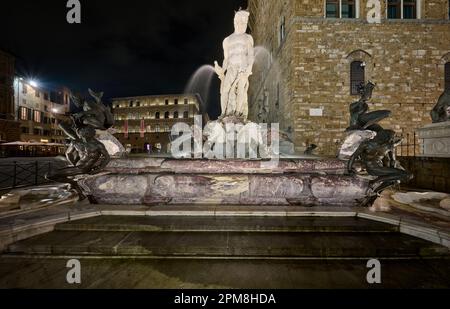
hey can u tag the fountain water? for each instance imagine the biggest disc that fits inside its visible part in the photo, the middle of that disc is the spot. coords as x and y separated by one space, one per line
266 70
200 83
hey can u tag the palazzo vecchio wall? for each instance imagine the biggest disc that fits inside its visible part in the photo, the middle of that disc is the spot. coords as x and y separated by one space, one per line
302 73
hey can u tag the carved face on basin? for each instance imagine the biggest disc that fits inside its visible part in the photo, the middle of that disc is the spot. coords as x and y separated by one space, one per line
241 22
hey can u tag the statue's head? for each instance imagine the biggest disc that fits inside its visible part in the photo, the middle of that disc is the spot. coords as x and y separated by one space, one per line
241 21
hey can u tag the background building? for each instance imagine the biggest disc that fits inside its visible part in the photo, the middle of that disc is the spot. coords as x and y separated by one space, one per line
9 129
38 115
144 123
312 54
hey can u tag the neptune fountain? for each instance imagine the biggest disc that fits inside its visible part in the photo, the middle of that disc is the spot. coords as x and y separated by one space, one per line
257 175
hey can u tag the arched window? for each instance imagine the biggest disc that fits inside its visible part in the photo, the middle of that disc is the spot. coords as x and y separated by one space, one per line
157 115
447 76
166 115
175 115
186 115
357 76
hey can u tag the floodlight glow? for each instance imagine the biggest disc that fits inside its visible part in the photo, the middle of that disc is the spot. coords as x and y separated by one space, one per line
33 83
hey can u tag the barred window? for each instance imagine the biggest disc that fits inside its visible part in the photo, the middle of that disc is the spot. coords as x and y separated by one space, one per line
357 76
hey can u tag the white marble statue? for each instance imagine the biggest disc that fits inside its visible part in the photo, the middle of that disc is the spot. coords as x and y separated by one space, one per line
239 56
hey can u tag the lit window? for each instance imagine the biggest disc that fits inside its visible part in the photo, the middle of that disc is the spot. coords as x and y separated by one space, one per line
186 101
37 116
23 113
157 128
357 76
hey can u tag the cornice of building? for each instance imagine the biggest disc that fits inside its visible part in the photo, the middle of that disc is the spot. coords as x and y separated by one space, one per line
156 96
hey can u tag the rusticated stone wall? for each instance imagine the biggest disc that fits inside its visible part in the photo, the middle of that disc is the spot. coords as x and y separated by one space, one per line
310 69
429 173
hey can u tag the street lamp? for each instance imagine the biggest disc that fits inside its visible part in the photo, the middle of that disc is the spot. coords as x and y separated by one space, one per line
34 83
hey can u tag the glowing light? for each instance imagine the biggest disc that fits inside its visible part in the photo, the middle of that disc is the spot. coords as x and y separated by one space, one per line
34 83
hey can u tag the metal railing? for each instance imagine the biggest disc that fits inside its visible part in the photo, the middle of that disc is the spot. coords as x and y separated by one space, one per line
23 174
411 146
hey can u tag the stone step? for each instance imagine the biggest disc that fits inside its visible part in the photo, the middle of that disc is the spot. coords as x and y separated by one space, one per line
227 224
228 244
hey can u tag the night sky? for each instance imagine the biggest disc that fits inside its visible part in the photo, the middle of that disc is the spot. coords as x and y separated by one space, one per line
125 48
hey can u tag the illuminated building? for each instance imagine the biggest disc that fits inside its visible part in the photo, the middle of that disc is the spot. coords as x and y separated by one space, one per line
143 123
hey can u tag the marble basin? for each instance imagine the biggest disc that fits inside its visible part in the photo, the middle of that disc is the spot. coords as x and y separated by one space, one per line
156 181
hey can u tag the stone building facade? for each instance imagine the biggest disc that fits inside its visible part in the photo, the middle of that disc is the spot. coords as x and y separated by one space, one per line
144 123
9 129
39 111
310 54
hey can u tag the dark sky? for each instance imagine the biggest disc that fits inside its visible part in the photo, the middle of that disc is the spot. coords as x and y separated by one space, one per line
125 48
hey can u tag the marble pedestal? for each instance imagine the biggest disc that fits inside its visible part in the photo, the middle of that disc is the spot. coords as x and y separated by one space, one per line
152 181
436 139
